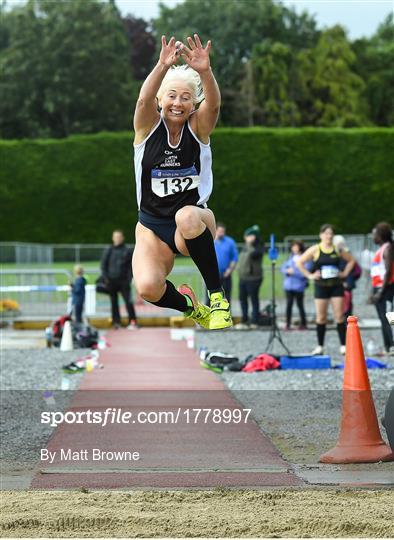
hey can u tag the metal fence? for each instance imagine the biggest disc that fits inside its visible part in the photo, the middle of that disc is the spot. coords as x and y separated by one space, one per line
25 254
44 290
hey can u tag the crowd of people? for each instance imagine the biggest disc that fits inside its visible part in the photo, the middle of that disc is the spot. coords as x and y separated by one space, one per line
328 265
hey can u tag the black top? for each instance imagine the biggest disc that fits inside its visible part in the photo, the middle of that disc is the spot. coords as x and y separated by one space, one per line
169 175
116 263
329 264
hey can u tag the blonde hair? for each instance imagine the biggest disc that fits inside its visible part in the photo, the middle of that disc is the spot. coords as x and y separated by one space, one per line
187 75
78 270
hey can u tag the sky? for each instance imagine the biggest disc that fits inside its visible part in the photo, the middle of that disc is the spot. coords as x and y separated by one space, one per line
359 17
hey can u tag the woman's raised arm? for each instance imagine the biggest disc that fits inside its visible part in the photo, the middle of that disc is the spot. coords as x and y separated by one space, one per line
197 57
146 113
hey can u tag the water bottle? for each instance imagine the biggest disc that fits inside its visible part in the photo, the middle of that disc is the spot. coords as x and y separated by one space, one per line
65 384
203 353
49 398
49 336
371 347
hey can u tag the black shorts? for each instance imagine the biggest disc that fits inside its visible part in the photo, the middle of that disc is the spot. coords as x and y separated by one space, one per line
164 228
324 293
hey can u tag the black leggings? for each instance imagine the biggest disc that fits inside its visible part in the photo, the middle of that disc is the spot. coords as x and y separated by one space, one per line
249 289
299 297
381 308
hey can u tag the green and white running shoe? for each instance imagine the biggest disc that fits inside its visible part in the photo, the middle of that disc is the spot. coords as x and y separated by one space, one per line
200 313
220 312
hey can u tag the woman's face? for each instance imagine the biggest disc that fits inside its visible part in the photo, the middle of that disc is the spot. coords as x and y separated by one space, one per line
295 249
376 237
177 102
327 236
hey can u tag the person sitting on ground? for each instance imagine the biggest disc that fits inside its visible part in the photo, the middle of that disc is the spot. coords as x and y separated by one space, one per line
328 279
78 294
382 276
294 284
116 271
250 273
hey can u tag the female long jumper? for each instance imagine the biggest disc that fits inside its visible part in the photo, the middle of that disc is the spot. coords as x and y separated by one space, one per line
173 171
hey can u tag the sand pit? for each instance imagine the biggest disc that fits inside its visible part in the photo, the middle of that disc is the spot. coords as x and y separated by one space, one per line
215 513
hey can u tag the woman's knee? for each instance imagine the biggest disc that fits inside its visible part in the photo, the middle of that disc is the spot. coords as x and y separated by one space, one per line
150 288
188 221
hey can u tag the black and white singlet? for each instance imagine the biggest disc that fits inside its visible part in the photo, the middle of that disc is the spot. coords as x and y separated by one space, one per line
169 177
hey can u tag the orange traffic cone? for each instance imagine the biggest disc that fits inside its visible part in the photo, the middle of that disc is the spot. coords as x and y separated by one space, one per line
360 440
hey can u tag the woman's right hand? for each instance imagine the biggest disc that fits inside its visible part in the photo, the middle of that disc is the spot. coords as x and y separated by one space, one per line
315 275
169 54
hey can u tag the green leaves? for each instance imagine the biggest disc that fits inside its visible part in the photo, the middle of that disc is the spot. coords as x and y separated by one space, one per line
65 70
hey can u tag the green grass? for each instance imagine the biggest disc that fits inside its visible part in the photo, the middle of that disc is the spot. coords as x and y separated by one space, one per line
62 279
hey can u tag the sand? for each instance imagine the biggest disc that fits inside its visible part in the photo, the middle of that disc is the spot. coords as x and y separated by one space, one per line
212 513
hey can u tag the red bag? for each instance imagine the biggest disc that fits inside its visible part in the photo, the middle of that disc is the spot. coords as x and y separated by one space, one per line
262 362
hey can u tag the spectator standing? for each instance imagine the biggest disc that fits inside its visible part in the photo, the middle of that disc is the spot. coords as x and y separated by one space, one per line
78 294
294 285
250 275
227 256
116 270
349 283
382 276
328 279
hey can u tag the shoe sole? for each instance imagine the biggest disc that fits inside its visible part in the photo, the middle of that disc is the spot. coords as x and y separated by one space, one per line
185 289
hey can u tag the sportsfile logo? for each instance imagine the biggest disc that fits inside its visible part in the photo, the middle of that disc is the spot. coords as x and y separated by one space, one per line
111 415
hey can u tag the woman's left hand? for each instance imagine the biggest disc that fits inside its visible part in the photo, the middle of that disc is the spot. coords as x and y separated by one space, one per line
197 57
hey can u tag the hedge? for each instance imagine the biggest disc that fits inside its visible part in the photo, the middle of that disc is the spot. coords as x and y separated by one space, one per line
287 180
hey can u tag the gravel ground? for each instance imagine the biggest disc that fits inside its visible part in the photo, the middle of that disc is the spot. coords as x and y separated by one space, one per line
25 377
299 409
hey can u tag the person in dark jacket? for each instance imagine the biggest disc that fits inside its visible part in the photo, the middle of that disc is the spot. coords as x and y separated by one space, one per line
250 275
116 270
78 294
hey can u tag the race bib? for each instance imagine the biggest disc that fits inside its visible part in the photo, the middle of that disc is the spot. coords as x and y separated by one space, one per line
170 182
329 272
378 270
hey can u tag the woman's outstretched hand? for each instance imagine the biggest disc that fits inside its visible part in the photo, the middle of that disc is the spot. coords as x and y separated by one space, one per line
169 54
197 57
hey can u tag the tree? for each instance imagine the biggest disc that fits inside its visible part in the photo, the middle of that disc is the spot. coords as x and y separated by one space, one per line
234 28
142 46
375 64
330 92
65 70
272 65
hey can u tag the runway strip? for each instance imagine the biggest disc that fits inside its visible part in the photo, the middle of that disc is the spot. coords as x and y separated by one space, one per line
146 371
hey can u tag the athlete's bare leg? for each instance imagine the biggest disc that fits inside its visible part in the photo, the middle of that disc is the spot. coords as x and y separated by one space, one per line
152 262
321 305
337 309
